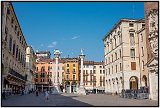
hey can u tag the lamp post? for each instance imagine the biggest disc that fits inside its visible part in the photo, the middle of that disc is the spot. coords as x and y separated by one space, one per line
56 88
81 90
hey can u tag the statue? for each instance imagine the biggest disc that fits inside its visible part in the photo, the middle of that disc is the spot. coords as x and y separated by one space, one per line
82 51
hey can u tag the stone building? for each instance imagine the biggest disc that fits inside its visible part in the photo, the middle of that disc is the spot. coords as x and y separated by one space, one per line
144 77
151 20
13 51
121 54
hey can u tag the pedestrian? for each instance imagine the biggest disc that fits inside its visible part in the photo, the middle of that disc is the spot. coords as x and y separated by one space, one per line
36 92
46 94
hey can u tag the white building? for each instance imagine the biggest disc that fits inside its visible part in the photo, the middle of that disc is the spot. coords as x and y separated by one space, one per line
88 75
30 69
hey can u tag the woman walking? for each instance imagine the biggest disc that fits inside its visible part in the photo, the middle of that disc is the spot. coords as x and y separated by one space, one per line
46 94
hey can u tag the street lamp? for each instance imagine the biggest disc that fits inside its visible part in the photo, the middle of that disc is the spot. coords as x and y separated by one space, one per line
81 90
56 89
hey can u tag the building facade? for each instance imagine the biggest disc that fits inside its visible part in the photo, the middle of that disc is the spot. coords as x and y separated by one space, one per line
144 76
71 74
43 79
13 51
42 54
151 19
121 54
99 76
88 75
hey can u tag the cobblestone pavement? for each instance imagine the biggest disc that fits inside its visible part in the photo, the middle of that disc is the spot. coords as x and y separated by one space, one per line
75 100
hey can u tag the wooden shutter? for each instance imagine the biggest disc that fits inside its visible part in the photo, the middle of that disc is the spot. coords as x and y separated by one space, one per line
133 65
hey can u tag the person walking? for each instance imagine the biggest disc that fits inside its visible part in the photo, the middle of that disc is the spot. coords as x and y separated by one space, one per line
46 94
36 92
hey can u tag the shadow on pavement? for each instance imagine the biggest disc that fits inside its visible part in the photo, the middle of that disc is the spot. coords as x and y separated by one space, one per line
33 100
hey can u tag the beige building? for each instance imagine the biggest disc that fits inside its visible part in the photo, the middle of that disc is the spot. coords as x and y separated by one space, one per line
144 80
121 54
13 51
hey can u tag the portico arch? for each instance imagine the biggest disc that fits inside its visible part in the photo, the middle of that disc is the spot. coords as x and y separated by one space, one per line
133 83
144 80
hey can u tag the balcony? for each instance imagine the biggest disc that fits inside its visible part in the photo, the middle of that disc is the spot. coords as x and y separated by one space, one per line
16 74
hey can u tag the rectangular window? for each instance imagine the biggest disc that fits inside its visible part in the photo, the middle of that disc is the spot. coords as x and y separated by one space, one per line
141 37
67 78
120 66
74 65
67 65
120 54
116 68
74 78
133 65
108 59
131 25
142 51
100 71
10 44
142 64
67 70
116 56
94 71
109 71
132 42
143 25
132 53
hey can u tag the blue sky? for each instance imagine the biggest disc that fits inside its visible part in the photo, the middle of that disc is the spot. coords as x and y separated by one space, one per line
70 26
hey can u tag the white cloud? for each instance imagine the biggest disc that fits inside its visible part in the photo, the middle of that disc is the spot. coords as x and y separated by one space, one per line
75 37
53 44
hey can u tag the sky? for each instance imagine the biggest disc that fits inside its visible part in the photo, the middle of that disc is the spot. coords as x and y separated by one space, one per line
70 26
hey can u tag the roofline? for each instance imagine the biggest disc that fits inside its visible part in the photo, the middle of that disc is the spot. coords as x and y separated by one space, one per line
17 20
118 22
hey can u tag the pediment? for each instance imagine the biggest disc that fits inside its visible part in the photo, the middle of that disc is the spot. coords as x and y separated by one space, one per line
131 30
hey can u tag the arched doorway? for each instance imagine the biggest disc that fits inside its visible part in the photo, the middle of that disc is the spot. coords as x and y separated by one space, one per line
133 83
144 79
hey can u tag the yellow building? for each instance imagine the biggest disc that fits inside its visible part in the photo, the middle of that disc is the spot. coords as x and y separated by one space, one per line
71 74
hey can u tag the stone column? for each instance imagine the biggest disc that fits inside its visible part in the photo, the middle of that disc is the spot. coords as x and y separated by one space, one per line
81 90
56 89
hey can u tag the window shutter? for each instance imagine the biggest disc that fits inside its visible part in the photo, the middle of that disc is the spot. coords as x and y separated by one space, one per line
133 65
